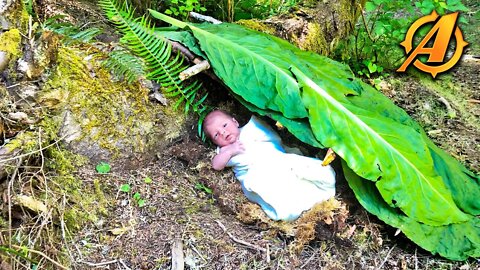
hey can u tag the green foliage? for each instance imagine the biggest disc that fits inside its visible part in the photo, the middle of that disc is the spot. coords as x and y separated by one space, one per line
382 28
320 102
148 180
28 5
138 199
125 188
70 32
103 167
125 65
181 9
231 10
202 187
141 39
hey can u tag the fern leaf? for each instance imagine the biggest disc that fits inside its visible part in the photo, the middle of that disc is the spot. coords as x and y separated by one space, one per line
70 32
125 65
141 39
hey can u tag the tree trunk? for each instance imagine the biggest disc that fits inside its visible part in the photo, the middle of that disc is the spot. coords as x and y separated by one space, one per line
316 27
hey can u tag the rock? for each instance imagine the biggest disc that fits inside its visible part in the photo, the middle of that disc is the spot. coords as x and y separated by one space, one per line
103 119
4 59
4 5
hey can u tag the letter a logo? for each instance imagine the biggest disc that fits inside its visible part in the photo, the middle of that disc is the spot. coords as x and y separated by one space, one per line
442 30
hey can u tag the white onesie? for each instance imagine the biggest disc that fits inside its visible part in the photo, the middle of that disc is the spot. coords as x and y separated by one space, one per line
283 184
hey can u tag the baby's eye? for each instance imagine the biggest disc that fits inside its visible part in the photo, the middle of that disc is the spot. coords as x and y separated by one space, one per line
225 125
215 136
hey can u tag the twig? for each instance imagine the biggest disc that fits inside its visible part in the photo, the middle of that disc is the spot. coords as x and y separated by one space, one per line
41 254
450 110
204 18
386 257
416 260
98 264
238 240
9 195
177 47
124 265
308 261
474 101
365 23
33 152
194 70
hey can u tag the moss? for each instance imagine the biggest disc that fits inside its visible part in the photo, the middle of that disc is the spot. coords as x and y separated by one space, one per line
10 42
315 40
24 141
257 25
87 89
17 16
102 201
456 96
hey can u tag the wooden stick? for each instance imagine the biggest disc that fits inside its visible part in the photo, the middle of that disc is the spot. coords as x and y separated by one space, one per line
236 240
204 18
474 101
100 263
194 70
178 47
178 261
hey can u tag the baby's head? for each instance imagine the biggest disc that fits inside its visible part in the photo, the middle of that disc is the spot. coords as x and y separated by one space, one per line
221 128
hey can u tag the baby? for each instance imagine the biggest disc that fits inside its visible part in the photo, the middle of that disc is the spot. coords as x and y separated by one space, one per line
283 184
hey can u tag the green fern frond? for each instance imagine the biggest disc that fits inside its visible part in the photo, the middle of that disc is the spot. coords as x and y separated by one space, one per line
125 65
140 37
70 32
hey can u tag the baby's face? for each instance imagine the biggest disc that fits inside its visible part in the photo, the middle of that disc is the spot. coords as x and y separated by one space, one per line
222 129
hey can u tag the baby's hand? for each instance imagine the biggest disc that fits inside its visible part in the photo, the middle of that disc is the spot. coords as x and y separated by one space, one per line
234 148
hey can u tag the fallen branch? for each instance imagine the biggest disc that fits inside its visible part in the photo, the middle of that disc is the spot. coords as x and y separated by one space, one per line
236 240
194 70
204 18
191 57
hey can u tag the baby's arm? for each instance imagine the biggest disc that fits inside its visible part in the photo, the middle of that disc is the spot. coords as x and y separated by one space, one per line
220 160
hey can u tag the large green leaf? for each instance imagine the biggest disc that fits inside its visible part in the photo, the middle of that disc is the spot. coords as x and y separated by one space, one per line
404 168
455 241
374 146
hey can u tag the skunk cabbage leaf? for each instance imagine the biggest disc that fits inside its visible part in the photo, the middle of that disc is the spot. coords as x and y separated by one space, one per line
418 186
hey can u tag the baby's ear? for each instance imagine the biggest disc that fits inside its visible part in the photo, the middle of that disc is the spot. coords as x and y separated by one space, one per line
235 121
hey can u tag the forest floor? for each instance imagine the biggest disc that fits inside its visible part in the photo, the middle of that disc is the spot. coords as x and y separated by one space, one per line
177 208
180 208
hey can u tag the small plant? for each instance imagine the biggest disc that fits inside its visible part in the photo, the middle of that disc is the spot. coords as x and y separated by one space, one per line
147 180
202 187
183 9
138 198
103 167
125 188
